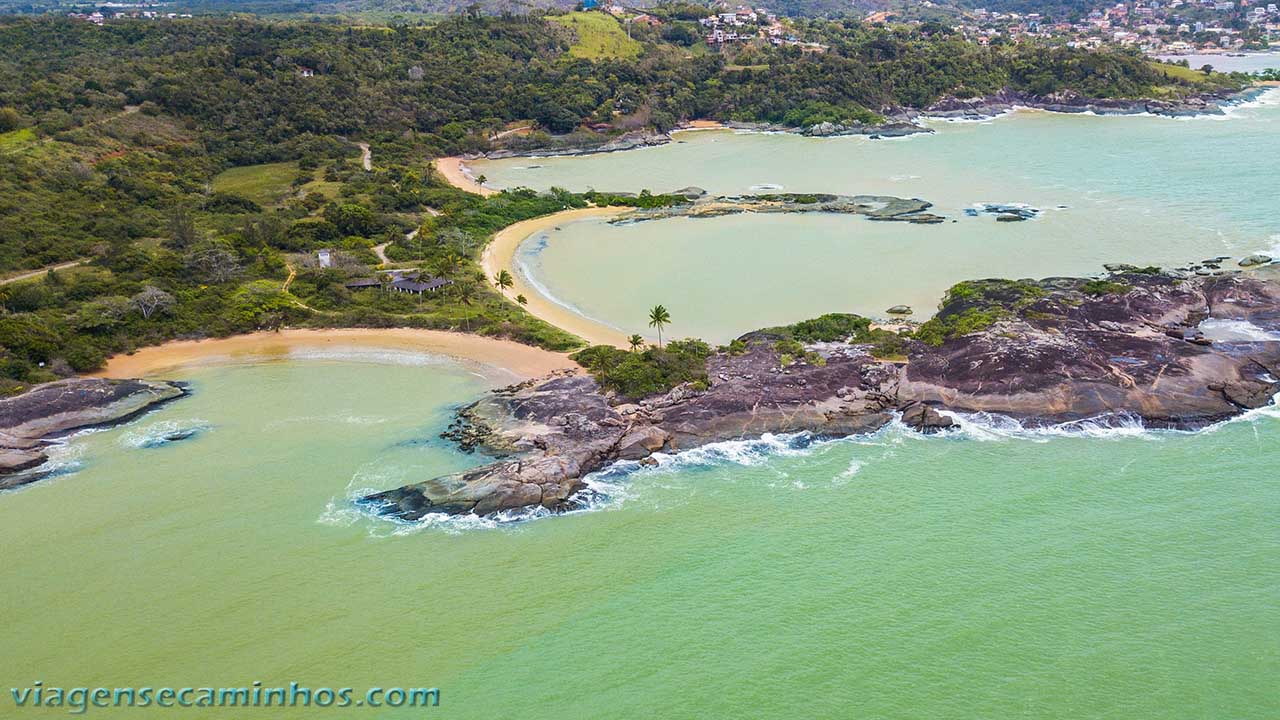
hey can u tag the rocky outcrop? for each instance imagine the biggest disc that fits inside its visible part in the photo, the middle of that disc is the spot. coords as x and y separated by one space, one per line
1050 351
884 208
953 108
47 411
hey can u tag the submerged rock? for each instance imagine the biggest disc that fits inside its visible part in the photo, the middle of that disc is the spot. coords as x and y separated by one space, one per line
60 407
1255 259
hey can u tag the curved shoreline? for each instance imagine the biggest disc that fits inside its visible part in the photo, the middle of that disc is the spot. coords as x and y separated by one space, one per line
500 254
512 358
454 171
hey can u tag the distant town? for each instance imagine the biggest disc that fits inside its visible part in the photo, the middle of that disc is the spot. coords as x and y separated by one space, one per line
1172 27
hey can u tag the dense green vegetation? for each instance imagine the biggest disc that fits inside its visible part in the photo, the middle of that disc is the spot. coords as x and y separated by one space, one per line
842 327
641 373
196 166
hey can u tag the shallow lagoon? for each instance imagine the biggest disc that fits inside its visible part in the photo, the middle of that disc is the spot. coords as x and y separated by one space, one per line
1145 190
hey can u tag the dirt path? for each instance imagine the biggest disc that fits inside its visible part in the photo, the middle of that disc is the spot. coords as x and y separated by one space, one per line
37 273
366 157
522 130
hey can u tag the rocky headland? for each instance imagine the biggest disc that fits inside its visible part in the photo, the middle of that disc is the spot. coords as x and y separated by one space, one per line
988 106
30 420
1043 352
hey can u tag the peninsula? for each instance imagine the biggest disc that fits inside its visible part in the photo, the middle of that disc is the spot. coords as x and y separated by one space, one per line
1059 350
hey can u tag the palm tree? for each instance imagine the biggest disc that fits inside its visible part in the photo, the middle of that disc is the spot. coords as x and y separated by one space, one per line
659 318
522 300
503 280
466 295
636 341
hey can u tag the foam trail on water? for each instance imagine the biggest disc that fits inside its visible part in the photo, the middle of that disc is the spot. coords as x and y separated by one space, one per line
1236 331
163 433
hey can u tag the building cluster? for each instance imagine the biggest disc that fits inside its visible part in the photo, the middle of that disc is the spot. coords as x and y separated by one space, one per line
743 24
1154 26
125 11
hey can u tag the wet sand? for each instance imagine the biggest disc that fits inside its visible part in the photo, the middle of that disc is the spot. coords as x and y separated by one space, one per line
453 169
512 358
500 253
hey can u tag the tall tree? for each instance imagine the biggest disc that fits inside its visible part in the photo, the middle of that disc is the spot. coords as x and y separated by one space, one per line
659 318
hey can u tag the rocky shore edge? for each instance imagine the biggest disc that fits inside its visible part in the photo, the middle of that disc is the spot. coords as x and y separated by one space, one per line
903 122
885 208
30 421
990 106
1043 352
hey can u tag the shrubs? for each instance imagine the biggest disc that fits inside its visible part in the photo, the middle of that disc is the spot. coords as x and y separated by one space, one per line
975 305
644 200
832 327
636 375
1104 287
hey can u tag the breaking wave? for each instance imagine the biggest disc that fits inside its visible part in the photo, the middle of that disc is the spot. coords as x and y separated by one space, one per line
616 485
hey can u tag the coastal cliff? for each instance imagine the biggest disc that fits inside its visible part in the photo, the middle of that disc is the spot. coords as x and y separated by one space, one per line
29 420
1043 352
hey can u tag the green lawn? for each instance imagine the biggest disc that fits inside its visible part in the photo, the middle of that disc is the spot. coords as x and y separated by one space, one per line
600 35
264 184
16 140
1177 72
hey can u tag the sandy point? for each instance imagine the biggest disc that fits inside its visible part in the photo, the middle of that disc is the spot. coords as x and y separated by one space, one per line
500 254
700 125
454 170
509 359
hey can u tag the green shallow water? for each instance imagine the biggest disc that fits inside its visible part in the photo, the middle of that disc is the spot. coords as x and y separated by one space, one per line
1129 575
1144 190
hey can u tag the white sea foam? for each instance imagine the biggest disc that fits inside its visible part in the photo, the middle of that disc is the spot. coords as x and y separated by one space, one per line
1236 331
373 356
612 487
988 427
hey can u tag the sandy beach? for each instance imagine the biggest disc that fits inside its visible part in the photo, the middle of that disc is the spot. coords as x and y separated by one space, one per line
522 361
453 170
500 253
700 125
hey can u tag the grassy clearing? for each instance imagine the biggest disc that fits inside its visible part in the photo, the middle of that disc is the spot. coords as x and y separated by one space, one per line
1177 72
264 184
599 36
16 140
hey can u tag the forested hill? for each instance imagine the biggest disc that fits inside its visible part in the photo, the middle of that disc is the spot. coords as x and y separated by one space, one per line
240 82
194 167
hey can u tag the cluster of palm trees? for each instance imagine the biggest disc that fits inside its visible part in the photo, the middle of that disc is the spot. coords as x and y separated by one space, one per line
659 316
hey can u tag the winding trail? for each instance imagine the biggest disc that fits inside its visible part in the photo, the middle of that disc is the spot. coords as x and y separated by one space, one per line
366 157
37 273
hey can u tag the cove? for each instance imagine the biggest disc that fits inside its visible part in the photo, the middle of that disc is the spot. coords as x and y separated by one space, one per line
1108 573
1145 190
